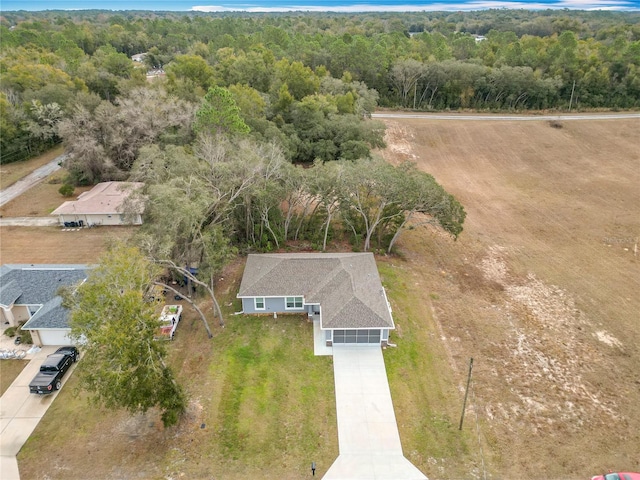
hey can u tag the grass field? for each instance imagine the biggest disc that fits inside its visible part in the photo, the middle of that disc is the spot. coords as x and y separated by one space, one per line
540 289
52 245
41 199
9 370
266 402
261 404
10 173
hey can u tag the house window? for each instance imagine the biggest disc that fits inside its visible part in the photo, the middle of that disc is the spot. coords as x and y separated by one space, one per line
259 303
293 303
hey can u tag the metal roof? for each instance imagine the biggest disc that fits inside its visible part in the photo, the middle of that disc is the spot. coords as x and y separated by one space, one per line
346 285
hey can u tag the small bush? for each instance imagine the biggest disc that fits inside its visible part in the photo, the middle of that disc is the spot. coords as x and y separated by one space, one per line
555 124
67 190
10 332
26 337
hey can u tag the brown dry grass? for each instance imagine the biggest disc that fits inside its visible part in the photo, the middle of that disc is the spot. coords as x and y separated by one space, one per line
52 245
10 173
542 286
41 199
9 371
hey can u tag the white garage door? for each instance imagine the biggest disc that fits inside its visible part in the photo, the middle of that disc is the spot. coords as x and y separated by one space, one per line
54 337
357 336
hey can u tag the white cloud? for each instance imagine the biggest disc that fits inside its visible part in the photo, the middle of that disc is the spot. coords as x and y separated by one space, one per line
463 6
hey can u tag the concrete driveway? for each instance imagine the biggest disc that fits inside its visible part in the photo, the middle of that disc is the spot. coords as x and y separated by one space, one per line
20 413
29 222
368 437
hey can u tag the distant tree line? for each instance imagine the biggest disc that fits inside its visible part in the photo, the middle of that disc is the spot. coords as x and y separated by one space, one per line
293 88
289 72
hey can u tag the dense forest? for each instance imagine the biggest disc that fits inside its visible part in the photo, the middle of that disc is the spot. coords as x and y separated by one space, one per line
332 64
220 108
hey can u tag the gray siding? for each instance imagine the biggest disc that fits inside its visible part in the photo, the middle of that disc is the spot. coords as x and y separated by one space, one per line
271 305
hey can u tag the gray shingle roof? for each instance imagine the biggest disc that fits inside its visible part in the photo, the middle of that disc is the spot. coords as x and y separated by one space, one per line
38 285
9 292
346 285
51 315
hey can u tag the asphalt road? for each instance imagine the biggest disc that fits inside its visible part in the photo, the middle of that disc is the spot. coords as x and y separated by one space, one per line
30 180
456 116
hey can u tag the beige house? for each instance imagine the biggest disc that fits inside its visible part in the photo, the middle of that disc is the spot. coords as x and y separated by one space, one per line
107 203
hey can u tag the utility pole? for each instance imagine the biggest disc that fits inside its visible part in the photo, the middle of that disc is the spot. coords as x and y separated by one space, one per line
466 393
572 90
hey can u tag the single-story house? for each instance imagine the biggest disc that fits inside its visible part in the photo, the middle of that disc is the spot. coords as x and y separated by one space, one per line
30 293
342 291
104 204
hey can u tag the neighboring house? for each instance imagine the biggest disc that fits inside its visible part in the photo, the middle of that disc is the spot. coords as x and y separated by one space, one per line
340 290
138 57
30 293
104 204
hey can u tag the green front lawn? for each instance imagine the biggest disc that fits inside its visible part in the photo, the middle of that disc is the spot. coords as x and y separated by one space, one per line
261 406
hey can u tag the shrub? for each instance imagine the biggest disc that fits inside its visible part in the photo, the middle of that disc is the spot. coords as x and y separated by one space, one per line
10 332
66 190
26 335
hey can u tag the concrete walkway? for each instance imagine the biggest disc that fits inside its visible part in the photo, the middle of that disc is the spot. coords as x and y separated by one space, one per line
20 413
319 344
368 436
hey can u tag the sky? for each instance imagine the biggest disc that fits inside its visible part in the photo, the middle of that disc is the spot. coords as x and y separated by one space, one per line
315 5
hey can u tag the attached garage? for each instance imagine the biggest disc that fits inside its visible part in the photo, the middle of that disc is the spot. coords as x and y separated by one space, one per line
53 336
341 291
29 294
357 336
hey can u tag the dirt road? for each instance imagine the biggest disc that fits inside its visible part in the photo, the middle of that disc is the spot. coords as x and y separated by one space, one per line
510 118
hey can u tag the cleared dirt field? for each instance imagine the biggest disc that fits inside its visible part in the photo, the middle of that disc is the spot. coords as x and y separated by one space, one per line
12 172
52 245
541 289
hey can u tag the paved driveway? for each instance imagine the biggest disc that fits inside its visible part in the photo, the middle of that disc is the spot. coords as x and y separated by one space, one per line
30 180
368 437
29 222
20 413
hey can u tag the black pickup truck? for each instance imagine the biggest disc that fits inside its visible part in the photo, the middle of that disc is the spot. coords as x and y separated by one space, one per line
49 378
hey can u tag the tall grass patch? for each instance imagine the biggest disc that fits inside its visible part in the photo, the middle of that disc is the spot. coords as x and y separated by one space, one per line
423 386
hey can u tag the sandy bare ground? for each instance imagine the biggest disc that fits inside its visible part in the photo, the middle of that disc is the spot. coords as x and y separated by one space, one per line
54 245
542 286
